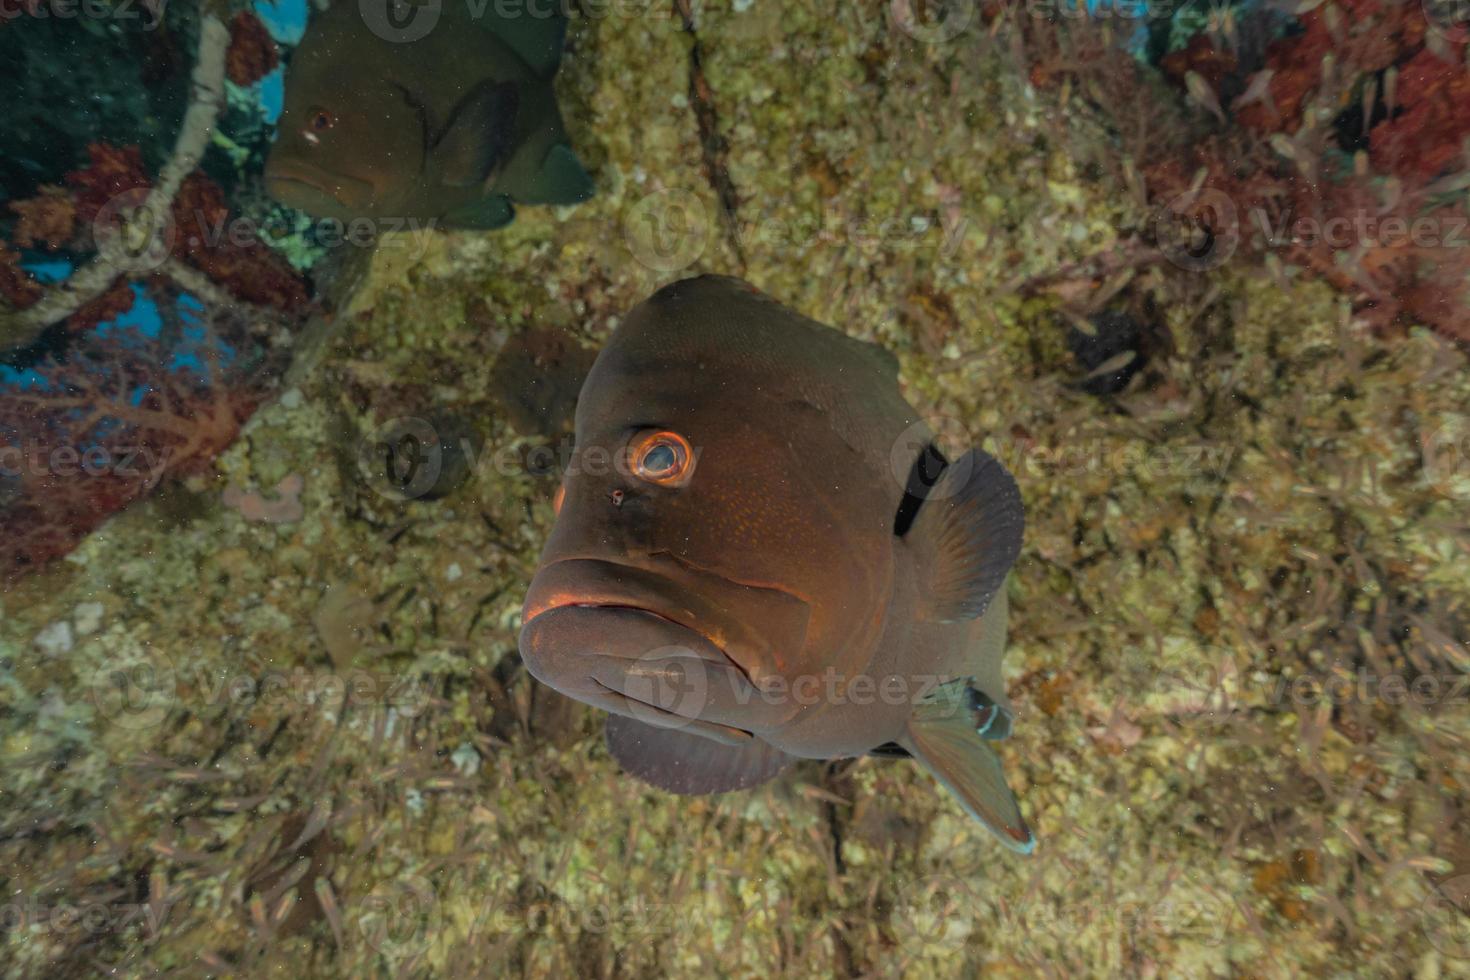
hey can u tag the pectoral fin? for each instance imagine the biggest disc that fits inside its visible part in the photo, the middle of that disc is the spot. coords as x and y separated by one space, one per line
477 135
948 734
973 519
561 180
680 762
494 211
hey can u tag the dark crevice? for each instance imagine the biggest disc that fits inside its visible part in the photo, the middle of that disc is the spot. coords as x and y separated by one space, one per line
713 146
837 780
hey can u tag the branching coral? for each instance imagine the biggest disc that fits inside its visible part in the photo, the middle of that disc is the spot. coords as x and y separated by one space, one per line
85 435
252 52
116 175
100 422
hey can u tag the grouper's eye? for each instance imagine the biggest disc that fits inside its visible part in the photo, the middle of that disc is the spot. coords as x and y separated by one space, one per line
663 458
319 121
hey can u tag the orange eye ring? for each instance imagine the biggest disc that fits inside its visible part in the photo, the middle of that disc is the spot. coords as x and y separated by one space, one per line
663 458
556 502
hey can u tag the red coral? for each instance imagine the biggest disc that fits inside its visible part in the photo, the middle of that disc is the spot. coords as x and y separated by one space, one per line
1396 247
125 406
109 423
1368 35
1426 138
1431 112
17 287
113 302
252 52
231 254
1404 261
47 219
1200 56
112 171
202 234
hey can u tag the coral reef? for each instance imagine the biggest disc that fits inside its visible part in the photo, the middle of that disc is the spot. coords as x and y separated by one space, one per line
1343 155
124 232
252 52
90 397
91 431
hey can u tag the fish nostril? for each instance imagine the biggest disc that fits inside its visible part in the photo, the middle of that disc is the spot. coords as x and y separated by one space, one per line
616 497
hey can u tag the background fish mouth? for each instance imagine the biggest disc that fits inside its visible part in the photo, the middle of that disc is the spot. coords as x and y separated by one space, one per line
290 184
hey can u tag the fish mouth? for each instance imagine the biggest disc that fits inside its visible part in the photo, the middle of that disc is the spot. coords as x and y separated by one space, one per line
649 643
315 191
685 596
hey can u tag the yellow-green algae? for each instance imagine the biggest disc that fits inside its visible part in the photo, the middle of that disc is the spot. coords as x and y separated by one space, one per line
1258 512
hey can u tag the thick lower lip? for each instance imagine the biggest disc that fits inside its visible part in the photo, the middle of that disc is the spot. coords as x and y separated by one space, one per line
689 598
282 181
616 702
707 651
632 661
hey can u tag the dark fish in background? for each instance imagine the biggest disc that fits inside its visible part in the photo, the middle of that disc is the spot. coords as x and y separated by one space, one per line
739 575
452 127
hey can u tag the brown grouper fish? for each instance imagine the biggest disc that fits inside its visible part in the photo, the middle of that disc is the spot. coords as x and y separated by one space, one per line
759 556
452 127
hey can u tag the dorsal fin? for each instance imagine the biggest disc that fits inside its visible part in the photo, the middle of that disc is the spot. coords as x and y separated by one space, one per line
536 38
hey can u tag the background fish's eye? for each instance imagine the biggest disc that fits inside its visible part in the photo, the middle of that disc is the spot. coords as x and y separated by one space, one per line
664 458
322 119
